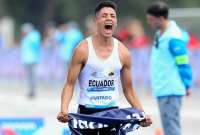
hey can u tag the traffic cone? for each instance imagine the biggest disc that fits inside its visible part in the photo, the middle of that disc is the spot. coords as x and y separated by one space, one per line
158 131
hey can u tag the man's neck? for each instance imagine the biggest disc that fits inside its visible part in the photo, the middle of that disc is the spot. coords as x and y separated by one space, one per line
104 41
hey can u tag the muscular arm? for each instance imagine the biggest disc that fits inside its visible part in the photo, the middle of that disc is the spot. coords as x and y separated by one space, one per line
74 70
126 78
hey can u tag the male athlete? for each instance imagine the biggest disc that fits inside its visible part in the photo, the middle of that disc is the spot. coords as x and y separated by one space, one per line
99 62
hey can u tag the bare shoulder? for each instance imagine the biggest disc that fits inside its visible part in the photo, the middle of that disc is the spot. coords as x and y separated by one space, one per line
81 51
124 53
81 47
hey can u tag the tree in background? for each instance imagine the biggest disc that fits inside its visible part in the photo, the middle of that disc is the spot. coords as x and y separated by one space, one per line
39 12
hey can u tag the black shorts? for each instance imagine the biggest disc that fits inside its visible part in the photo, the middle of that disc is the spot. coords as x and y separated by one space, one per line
105 131
83 110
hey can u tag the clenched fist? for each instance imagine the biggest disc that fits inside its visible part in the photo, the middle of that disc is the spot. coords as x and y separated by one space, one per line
63 117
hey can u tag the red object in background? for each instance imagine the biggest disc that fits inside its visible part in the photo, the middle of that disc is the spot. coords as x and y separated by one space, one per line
122 35
194 43
140 42
8 132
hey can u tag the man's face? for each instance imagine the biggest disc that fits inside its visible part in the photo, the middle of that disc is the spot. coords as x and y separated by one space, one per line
154 22
106 21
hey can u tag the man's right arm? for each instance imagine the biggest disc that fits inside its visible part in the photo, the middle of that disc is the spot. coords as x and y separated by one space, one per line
73 72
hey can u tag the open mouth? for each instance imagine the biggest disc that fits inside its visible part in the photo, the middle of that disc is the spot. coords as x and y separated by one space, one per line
108 26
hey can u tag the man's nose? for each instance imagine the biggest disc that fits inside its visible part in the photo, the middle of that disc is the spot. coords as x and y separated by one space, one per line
109 17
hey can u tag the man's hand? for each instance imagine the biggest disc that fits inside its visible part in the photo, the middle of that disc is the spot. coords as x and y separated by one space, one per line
146 122
188 92
63 117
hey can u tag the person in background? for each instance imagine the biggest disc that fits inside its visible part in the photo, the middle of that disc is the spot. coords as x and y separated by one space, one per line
50 46
171 74
68 36
30 54
137 36
2 42
90 26
138 43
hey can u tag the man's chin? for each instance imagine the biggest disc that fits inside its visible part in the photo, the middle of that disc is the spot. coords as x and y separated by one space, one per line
107 34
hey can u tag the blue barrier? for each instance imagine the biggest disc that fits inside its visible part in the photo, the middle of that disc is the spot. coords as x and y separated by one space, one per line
52 67
20 126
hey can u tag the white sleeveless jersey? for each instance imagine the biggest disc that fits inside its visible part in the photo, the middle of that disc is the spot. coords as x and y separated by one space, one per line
100 78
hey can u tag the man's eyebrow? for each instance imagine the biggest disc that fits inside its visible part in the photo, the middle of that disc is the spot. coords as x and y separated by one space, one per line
112 14
108 13
104 13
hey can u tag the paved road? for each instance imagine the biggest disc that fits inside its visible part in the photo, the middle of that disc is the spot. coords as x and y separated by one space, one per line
14 103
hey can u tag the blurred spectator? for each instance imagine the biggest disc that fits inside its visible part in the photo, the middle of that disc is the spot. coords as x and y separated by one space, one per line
194 42
49 58
2 42
136 35
68 36
30 54
49 41
194 52
122 33
90 26
132 34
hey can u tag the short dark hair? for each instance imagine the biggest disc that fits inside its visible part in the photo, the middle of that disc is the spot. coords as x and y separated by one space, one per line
158 9
103 4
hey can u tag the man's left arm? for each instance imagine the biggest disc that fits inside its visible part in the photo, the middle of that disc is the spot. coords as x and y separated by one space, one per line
178 49
127 87
126 79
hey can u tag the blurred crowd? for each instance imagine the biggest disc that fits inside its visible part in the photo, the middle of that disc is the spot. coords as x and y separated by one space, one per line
45 56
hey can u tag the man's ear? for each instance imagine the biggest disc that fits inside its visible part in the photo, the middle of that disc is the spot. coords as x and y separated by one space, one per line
162 18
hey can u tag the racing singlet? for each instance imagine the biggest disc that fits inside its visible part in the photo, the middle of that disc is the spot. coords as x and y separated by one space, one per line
100 78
